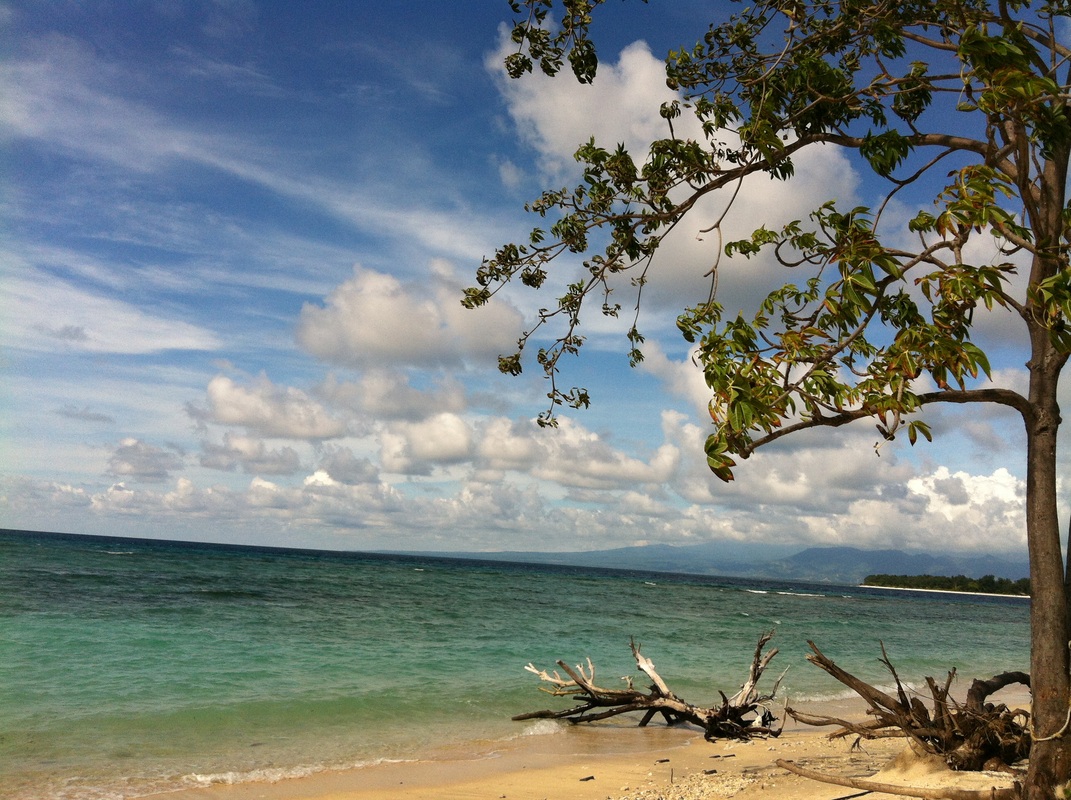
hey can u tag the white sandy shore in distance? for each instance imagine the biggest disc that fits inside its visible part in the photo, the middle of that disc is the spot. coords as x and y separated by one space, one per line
589 763
943 591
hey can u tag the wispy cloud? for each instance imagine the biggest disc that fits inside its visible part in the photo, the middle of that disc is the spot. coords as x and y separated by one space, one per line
46 313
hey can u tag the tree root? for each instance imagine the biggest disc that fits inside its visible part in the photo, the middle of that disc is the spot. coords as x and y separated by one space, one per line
967 737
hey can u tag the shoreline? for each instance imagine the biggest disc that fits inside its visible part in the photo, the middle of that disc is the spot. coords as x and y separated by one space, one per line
599 762
943 591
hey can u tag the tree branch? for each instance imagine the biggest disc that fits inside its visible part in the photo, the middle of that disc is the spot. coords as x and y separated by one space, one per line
1005 397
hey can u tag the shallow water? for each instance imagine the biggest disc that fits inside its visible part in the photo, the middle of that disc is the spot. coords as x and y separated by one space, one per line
130 666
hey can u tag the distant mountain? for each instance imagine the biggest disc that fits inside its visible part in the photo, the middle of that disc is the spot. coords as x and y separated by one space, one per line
712 558
841 565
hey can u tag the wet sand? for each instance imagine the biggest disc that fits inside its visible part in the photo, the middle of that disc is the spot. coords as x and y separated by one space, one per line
597 763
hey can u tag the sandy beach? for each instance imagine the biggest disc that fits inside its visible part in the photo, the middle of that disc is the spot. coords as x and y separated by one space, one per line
621 764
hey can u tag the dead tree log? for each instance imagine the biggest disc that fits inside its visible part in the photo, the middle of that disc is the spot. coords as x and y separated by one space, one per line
866 785
974 735
744 715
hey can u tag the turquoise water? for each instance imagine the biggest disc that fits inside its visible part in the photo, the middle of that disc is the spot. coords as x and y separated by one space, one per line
131 666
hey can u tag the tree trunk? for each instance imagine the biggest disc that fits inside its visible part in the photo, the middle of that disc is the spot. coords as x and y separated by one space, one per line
1050 754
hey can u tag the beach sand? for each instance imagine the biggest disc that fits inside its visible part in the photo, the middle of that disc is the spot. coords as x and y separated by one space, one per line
592 763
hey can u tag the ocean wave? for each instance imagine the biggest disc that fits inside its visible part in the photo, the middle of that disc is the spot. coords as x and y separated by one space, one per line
837 695
822 697
802 594
543 727
260 775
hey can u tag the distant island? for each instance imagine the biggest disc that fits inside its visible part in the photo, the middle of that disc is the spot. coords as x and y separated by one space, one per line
987 584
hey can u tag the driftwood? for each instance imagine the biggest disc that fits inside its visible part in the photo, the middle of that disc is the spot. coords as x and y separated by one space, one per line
942 793
974 735
744 715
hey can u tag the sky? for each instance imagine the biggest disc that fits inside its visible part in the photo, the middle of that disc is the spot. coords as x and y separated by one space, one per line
235 236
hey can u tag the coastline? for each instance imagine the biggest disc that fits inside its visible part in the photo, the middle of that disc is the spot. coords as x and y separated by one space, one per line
617 763
944 591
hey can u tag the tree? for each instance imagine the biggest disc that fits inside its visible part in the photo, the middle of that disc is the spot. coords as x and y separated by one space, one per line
965 100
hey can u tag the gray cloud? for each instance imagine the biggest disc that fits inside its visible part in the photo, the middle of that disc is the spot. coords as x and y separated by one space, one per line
140 461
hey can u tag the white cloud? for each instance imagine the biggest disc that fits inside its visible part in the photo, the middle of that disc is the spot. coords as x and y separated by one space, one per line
376 320
569 456
509 445
387 394
416 448
959 496
44 313
268 410
117 498
684 379
510 174
264 494
581 458
186 498
557 115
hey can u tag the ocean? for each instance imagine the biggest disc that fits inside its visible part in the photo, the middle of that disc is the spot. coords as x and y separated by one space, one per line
129 666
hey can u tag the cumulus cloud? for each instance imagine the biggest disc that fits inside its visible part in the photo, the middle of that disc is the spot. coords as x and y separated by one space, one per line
683 379
495 507
556 115
959 496
140 461
570 456
342 466
187 498
268 410
388 394
581 458
416 448
376 320
509 445
249 454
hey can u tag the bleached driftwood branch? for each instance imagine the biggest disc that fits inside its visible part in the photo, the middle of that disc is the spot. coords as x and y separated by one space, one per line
743 716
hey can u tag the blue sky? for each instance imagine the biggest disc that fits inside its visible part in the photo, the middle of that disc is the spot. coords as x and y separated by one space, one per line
235 239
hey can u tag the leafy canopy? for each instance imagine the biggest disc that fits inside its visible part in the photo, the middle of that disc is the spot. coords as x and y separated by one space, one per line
966 100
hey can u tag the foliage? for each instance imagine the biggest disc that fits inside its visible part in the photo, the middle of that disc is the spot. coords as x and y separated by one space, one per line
911 87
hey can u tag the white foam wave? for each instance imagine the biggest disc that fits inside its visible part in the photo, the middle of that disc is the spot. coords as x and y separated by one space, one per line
543 727
823 697
835 696
262 775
